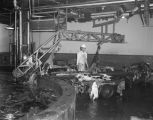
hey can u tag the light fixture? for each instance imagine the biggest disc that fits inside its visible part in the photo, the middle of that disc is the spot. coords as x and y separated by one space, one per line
9 27
25 57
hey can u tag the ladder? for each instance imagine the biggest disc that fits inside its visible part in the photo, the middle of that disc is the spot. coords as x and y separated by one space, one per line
39 57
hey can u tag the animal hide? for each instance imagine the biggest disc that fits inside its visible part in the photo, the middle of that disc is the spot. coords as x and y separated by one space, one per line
121 87
137 118
94 91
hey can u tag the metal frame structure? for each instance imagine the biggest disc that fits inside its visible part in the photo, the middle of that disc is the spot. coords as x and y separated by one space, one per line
49 47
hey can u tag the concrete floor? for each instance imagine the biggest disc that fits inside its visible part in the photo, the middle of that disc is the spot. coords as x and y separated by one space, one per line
136 104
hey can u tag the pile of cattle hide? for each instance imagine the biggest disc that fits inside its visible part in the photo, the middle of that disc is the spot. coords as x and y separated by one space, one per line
141 72
102 83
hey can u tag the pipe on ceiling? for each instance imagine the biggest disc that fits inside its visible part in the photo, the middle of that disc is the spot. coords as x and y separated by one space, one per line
86 4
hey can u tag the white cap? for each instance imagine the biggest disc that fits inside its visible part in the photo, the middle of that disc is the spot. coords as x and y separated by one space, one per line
83 46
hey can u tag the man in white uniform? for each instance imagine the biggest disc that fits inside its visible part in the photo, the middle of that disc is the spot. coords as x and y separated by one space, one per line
82 58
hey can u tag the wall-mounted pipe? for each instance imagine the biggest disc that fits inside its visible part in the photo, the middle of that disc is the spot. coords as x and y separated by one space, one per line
29 7
28 30
20 34
33 5
15 39
17 45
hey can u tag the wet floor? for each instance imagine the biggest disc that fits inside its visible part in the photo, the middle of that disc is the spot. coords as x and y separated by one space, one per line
136 104
5 77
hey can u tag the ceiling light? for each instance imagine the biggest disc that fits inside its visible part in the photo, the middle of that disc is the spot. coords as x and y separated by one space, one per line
9 28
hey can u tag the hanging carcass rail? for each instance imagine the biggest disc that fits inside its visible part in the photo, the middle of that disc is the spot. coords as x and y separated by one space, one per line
82 36
38 58
92 36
